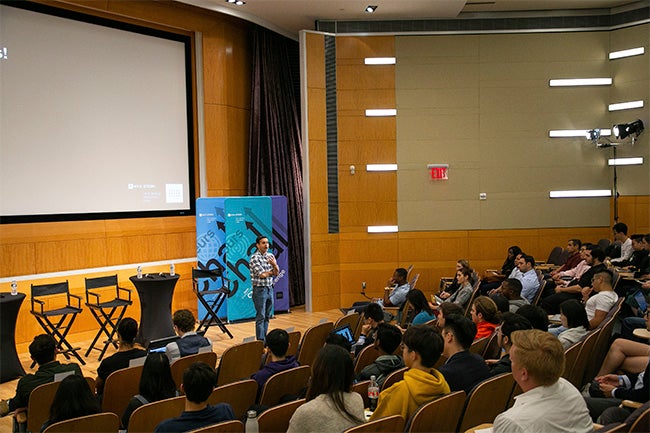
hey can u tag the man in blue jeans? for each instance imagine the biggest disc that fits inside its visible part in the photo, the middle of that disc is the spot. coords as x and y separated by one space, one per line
263 268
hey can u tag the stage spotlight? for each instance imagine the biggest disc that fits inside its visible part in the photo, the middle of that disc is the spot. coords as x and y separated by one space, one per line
624 130
593 134
371 9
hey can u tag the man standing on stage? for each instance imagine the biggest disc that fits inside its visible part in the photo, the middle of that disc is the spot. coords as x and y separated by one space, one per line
263 268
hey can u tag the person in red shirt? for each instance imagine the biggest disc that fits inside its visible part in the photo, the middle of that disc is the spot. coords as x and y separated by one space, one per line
485 315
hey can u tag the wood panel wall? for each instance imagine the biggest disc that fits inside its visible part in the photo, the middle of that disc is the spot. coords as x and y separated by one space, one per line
28 250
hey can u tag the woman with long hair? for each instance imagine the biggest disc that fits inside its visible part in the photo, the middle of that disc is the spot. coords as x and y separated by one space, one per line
462 295
574 318
485 315
453 286
330 407
422 311
156 383
73 399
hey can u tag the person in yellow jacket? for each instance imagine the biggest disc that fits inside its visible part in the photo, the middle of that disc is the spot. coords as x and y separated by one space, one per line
422 383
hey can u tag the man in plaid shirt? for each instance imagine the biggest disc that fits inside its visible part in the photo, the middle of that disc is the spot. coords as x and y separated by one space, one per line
263 268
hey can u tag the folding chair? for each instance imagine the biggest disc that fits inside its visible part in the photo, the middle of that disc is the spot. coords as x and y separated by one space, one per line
443 413
240 395
60 328
179 366
276 419
211 299
292 382
240 362
107 313
486 400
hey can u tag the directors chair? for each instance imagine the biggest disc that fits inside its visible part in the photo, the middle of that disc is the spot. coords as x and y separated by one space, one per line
62 318
108 313
211 299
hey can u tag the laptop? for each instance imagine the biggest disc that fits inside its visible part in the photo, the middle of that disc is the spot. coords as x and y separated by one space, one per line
346 332
160 344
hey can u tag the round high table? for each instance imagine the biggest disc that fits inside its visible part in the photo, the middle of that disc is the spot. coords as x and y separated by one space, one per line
10 366
156 292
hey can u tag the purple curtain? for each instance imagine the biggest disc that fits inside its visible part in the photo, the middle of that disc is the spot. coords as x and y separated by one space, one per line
275 156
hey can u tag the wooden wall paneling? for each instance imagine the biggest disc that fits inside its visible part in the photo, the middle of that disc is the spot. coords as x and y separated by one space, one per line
17 259
358 47
68 255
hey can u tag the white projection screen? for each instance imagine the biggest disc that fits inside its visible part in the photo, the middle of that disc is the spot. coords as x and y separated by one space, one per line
96 118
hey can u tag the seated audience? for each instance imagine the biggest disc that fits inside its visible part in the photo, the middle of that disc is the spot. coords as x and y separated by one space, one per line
463 370
598 305
548 403
373 315
389 337
610 389
528 277
535 315
510 322
492 279
339 340
574 321
398 288
42 351
450 289
563 278
485 315
594 258
276 346
620 236
331 406
198 382
72 400
502 303
156 383
462 295
573 248
422 383
127 330
190 342
511 290
444 310
422 311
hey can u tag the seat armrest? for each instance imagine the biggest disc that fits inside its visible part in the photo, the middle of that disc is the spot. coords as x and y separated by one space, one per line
125 290
631 404
89 293
77 297
41 303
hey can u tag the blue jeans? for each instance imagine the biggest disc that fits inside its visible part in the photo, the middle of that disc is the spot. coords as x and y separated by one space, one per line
263 301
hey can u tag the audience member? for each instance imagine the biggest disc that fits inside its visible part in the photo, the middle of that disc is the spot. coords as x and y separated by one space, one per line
43 351
198 382
535 315
331 406
573 248
528 277
339 340
511 290
450 289
190 342
620 236
485 315
463 369
510 322
492 279
462 295
422 311
574 321
398 288
389 337
422 383
549 403
73 399
594 258
276 346
444 310
625 355
156 383
373 315
563 278
502 303
127 330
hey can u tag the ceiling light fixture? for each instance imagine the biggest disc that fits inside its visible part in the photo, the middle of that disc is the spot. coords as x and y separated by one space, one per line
370 9
626 105
626 53
626 161
381 167
580 82
381 112
379 60
382 229
581 193
236 2
562 133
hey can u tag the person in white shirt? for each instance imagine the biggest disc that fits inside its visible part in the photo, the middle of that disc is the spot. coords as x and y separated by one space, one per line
549 403
605 298
620 235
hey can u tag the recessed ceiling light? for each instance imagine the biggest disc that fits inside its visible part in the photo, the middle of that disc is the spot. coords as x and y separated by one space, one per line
371 9
236 2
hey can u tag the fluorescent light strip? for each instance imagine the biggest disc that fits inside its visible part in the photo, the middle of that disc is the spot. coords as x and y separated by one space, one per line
379 60
382 229
558 133
625 161
625 105
381 112
580 193
626 53
381 167
580 82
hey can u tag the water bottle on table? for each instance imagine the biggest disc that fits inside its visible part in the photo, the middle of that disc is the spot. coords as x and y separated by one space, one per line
373 394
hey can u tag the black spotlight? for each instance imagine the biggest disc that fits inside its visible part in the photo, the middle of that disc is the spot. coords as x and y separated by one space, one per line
593 134
623 130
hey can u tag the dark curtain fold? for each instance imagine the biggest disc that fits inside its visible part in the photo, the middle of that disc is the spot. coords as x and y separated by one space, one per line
275 155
